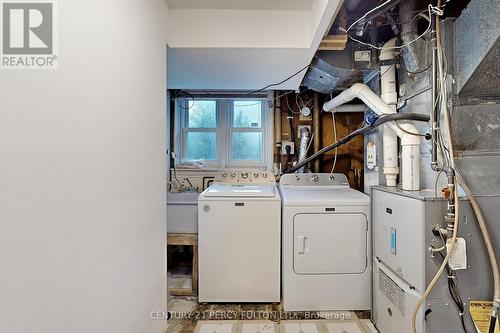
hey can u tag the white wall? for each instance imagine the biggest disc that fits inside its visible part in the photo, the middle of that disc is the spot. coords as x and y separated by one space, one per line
82 176
244 49
229 28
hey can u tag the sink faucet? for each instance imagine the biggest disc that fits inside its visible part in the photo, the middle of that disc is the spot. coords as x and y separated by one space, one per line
186 179
185 188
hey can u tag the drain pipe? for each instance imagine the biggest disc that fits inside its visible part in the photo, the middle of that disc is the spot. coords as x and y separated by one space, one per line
389 96
410 143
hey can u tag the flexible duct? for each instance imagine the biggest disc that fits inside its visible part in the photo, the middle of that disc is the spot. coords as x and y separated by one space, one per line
305 137
410 143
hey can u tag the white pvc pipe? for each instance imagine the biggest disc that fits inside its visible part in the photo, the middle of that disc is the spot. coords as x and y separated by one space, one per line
410 143
389 96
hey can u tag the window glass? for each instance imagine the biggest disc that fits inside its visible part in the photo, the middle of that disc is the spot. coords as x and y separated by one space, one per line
247 146
202 114
201 145
247 114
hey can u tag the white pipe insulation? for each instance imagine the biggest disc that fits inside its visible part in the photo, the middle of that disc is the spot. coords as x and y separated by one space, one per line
410 143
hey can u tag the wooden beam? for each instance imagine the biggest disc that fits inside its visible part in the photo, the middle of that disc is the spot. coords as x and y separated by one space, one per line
333 43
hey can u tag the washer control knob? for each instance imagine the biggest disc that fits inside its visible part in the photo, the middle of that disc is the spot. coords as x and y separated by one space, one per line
244 175
315 178
332 178
224 175
233 175
297 178
264 175
256 175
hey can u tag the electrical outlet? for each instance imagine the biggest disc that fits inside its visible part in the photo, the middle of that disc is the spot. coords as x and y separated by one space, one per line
371 155
287 143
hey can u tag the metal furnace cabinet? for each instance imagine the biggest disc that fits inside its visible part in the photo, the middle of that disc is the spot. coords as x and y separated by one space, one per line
403 265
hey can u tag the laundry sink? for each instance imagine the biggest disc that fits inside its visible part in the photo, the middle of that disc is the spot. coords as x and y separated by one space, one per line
182 212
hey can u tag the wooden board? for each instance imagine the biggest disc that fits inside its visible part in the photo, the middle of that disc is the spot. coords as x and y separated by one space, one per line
333 43
182 239
186 240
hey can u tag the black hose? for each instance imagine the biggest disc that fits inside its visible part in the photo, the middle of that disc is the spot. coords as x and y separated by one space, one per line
378 122
493 322
455 293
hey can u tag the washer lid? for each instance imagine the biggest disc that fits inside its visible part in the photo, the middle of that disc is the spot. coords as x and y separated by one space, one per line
241 190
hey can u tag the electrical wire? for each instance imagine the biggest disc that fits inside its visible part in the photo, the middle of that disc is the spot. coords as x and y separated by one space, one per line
431 9
310 142
289 108
388 68
175 98
402 63
367 13
278 83
452 280
396 17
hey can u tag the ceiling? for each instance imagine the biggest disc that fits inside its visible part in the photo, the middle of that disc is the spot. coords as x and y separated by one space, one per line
241 4
244 49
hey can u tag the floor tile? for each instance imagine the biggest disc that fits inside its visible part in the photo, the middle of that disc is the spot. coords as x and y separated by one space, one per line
257 326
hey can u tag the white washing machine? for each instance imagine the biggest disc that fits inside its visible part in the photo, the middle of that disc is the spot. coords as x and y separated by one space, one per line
325 245
239 232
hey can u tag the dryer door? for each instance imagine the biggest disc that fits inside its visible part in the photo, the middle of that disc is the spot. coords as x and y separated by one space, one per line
330 243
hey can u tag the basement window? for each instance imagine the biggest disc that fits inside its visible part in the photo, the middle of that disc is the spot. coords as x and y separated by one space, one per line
223 132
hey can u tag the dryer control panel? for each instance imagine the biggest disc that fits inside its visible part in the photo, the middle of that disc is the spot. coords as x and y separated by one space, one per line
245 176
314 179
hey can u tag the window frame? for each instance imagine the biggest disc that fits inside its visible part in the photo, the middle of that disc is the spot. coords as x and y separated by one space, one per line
231 129
224 131
182 115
